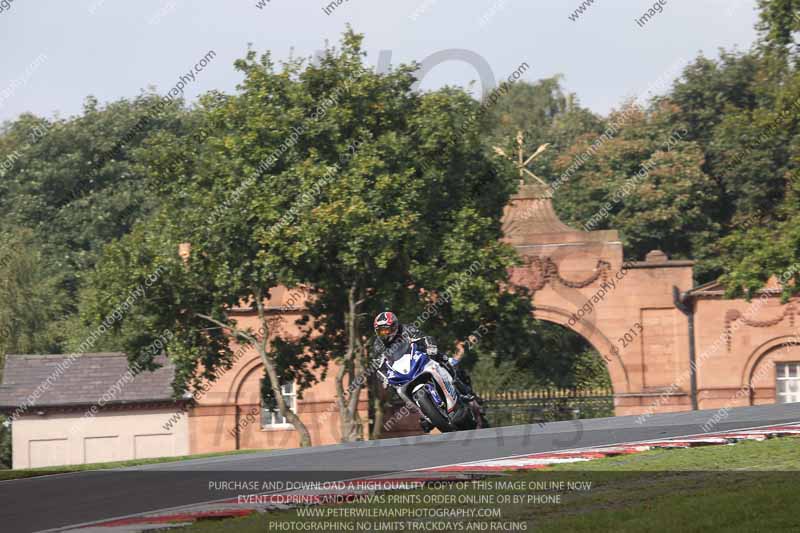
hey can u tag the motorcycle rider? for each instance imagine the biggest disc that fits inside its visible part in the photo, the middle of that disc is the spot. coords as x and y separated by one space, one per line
390 339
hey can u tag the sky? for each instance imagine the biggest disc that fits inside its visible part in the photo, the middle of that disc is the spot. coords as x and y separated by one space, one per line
56 53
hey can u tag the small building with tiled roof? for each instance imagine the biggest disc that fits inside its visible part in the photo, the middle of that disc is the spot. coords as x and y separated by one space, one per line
88 408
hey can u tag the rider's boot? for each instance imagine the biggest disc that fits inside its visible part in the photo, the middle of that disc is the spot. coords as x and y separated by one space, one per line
464 390
458 415
425 424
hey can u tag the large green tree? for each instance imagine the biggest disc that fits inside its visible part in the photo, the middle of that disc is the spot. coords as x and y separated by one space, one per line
75 184
409 221
331 176
210 178
646 181
761 150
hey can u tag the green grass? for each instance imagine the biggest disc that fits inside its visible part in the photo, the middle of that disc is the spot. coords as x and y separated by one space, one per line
45 471
747 487
773 454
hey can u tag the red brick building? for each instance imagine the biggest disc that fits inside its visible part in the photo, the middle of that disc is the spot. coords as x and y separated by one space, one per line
668 346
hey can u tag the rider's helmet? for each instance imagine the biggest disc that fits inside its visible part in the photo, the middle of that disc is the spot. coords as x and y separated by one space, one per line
386 326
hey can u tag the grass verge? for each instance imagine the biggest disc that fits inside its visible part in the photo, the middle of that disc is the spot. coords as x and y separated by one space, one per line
45 471
750 486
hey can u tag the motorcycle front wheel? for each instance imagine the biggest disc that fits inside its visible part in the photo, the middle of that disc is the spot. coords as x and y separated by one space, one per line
432 411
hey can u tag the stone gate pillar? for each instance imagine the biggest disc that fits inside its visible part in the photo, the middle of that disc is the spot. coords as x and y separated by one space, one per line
625 311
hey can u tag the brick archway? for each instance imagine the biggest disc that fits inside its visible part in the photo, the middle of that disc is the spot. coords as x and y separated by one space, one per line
578 280
626 311
599 341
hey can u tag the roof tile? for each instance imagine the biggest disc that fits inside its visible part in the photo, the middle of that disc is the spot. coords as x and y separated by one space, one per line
84 380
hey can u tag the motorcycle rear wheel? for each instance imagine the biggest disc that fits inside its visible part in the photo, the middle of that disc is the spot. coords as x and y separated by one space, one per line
434 414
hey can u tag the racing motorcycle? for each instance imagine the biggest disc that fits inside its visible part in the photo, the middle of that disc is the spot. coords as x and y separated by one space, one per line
422 381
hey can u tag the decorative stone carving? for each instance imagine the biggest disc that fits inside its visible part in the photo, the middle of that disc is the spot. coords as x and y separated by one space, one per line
537 272
733 315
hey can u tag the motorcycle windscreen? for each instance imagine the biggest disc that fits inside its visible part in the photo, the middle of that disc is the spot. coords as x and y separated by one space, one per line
396 350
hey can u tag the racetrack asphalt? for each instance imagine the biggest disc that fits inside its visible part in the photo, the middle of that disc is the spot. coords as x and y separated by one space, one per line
49 502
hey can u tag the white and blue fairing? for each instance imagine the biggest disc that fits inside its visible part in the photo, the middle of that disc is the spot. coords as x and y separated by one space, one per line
408 366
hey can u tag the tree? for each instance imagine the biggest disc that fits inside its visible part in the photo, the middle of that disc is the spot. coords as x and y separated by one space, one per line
759 153
709 89
32 301
31 307
75 184
755 255
314 175
778 21
648 182
765 241
561 359
410 221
